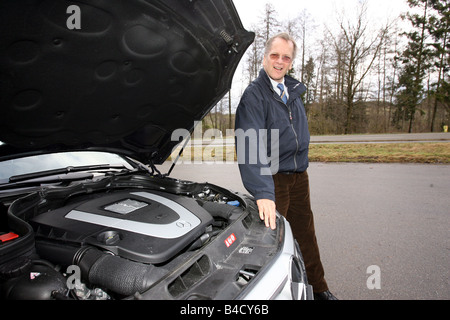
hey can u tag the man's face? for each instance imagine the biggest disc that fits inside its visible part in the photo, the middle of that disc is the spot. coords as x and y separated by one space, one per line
279 59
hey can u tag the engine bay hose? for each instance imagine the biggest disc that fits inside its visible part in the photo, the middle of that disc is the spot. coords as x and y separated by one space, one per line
119 275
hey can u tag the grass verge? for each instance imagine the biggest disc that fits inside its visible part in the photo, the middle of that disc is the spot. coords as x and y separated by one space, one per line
426 152
418 152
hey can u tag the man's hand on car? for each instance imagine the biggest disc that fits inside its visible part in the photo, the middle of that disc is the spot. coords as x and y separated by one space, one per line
267 212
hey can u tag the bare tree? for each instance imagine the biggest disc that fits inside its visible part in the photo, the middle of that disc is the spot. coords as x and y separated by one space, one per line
357 53
267 26
254 58
270 24
386 73
300 28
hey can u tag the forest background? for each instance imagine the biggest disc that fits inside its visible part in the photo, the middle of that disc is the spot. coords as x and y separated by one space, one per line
363 75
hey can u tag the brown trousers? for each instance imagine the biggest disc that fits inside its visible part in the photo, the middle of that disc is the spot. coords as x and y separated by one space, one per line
293 202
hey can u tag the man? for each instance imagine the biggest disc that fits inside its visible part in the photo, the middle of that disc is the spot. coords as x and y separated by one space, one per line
272 111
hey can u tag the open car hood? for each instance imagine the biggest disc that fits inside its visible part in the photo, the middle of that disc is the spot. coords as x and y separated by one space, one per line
116 75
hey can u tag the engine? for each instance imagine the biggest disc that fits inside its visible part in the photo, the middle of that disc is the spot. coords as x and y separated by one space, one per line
142 226
117 243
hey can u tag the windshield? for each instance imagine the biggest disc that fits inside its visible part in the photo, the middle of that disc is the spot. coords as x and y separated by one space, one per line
52 161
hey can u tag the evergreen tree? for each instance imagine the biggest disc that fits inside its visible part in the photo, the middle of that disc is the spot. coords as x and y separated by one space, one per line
308 80
415 60
439 29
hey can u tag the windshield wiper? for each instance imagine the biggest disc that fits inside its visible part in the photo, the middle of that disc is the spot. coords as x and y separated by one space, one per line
53 179
66 170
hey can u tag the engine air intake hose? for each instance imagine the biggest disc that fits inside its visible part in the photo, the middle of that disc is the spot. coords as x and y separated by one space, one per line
119 275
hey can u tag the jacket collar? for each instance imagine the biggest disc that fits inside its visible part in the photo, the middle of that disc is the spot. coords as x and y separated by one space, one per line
295 87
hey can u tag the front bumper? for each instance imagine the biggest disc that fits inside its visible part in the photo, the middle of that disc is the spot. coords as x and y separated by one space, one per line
285 278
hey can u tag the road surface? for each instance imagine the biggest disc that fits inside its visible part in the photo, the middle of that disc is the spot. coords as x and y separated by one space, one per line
209 139
391 217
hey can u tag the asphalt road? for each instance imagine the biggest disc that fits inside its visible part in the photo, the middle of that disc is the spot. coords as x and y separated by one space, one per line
352 138
390 218
384 138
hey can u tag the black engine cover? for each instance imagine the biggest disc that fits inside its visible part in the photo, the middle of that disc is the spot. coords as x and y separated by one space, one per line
144 226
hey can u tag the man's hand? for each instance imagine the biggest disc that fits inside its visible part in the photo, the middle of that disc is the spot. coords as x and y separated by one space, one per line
267 212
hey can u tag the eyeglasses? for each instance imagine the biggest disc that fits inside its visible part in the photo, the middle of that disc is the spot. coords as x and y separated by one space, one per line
276 56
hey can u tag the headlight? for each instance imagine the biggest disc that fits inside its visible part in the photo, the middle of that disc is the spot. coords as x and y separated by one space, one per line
300 290
285 277
298 287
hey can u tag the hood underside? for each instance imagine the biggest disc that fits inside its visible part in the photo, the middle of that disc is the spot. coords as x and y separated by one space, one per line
115 75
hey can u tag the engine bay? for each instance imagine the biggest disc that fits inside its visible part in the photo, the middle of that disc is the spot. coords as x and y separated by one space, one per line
122 235
143 226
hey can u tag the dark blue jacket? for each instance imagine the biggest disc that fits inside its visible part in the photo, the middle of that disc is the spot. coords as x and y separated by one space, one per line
285 146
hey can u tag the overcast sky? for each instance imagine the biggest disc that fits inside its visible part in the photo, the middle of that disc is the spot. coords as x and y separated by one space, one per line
321 10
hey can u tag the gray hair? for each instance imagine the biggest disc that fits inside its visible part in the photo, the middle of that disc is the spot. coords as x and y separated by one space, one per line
285 36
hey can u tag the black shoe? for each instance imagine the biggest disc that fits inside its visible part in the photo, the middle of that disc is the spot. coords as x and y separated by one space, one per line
326 295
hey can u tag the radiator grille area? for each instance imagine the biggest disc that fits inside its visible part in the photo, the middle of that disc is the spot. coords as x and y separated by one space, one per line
190 277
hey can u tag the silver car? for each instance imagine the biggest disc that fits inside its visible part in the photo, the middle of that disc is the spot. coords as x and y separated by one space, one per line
90 95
